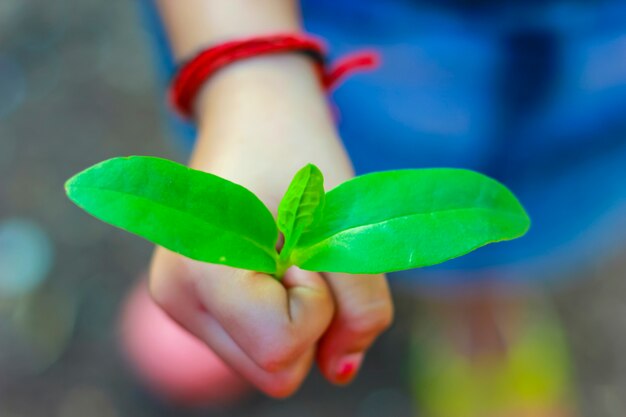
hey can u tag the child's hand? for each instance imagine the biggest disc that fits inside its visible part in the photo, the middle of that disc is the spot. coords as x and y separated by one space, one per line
271 331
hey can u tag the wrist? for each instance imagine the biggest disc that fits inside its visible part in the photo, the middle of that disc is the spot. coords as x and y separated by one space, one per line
266 117
265 90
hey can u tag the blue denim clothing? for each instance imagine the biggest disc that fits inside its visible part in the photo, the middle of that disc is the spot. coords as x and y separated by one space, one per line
531 93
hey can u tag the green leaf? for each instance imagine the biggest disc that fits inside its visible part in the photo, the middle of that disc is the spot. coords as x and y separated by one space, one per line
302 204
193 213
299 209
396 220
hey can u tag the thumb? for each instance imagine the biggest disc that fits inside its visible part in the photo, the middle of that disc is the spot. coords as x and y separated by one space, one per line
309 301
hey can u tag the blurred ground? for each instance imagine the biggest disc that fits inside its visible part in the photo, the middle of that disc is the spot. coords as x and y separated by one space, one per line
77 87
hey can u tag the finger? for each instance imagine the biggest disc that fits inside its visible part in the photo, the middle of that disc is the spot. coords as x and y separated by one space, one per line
272 324
174 291
364 310
279 384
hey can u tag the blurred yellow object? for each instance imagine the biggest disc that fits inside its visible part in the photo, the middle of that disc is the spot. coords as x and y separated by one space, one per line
530 378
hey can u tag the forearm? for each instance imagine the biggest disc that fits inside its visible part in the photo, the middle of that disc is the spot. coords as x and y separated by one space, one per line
193 24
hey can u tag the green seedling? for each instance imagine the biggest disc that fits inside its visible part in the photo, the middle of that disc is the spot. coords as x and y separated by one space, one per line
375 223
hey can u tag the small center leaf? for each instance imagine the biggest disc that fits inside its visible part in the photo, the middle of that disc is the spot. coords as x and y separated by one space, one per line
300 209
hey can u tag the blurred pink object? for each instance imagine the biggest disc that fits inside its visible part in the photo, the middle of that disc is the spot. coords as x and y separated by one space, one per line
172 362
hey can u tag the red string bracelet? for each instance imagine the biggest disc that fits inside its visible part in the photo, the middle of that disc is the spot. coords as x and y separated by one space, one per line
193 74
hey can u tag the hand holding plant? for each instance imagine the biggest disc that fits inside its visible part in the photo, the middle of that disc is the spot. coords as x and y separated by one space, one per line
259 121
376 223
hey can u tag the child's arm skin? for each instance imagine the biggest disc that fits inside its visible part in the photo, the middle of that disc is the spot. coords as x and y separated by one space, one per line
260 120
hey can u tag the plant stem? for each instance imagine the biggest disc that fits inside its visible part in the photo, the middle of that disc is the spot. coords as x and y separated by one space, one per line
281 269
284 260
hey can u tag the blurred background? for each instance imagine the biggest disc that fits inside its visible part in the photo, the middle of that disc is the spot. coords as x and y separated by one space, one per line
78 85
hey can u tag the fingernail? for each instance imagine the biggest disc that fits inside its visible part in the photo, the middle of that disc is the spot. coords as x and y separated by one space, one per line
348 366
